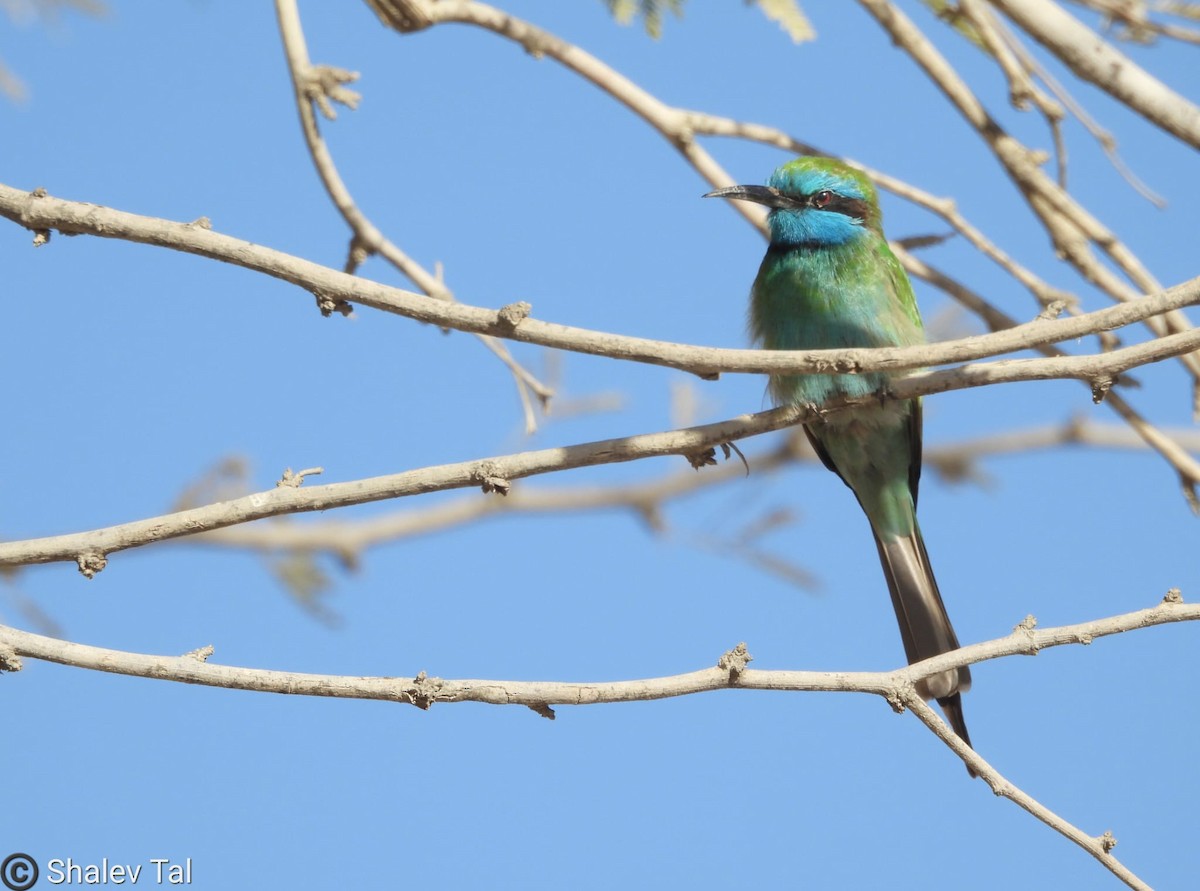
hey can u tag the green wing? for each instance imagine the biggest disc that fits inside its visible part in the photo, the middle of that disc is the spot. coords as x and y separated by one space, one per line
898 281
901 287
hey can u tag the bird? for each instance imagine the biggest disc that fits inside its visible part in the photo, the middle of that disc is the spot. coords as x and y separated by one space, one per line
830 280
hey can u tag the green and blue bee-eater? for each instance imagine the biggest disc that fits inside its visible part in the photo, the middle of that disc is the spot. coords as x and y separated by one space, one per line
830 280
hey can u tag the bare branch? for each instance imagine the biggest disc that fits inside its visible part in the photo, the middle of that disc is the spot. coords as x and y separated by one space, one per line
1071 227
1095 60
1099 847
1134 23
484 473
310 84
670 122
1025 640
731 672
1175 455
680 127
1021 88
40 212
90 549
1107 141
348 539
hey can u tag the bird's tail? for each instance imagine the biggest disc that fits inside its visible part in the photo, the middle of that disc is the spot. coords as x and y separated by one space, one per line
924 625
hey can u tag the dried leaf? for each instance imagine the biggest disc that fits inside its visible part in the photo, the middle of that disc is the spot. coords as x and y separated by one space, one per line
790 17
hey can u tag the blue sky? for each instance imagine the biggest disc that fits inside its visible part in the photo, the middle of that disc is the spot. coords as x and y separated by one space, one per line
131 370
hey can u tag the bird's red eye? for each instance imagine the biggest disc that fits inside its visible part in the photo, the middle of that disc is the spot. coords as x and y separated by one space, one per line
822 199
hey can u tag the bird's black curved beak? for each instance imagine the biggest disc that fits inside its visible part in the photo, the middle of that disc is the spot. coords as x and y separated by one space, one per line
764 195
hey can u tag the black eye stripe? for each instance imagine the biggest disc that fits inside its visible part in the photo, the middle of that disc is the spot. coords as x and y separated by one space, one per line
855 208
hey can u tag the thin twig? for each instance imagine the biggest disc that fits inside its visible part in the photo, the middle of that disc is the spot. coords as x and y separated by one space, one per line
1066 221
367 236
1071 227
1096 61
1136 23
1021 88
1171 451
1098 846
1106 140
